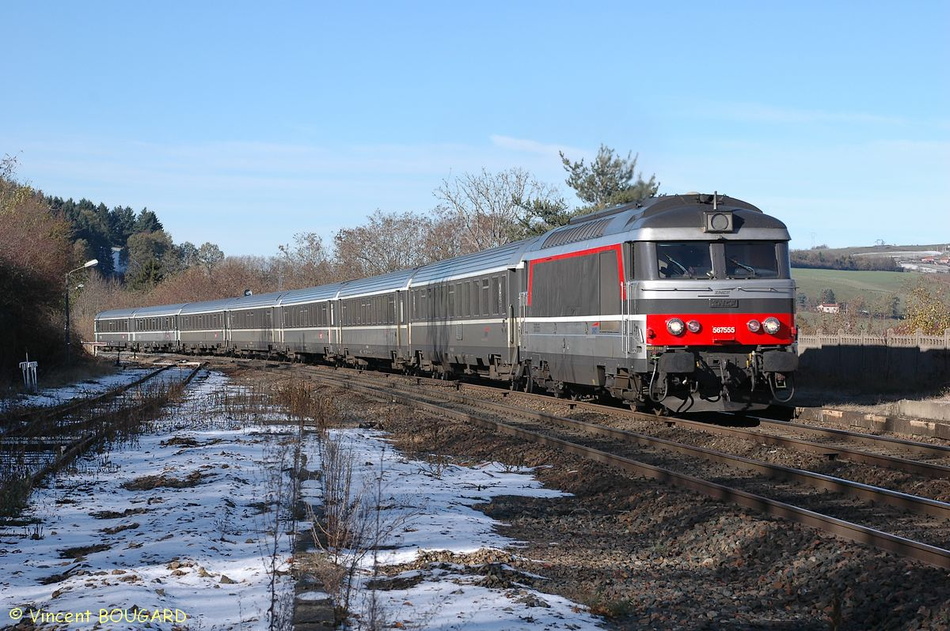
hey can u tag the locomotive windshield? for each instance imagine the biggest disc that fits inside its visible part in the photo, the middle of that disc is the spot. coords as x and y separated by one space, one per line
751 260
704 260
684 260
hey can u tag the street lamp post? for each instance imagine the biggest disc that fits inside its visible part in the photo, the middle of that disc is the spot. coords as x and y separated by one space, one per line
90 263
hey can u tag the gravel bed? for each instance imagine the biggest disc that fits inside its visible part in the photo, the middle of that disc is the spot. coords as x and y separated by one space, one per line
648 556
886 518
937 489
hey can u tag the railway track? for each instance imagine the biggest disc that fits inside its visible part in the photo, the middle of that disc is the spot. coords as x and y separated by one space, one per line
891 519
37 440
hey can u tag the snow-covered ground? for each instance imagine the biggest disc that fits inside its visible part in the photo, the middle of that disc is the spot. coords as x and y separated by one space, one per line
177 531
428 507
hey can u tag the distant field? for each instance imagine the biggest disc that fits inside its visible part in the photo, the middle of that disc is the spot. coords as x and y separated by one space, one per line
848 285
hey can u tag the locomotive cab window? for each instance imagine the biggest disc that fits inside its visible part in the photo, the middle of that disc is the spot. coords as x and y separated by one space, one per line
684 260
751 260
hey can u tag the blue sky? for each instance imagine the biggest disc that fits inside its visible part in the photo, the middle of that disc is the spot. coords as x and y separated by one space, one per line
245 123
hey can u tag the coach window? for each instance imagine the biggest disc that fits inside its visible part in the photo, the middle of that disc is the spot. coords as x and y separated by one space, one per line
461 291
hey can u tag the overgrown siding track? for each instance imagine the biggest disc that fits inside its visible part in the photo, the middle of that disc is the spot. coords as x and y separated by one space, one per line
38 440
703 458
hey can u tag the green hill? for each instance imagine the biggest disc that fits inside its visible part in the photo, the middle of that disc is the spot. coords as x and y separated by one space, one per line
849 285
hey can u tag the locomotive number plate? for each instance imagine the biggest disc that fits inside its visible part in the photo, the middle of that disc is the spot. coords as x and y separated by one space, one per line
723 303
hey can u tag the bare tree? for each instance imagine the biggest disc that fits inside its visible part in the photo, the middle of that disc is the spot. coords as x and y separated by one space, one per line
304 264
389 242
209 256
490 209
35 253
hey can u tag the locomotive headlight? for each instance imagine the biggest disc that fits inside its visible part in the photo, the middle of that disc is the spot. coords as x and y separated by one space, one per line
694 326
754 325
771 325
675 326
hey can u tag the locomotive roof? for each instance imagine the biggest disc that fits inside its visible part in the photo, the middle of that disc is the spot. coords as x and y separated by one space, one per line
666 217
687 211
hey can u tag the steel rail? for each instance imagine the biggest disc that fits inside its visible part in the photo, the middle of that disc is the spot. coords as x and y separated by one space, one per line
897 499
932 555
915 467
837 452
921 449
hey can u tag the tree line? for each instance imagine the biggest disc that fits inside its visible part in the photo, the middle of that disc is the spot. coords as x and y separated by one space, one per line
821 257
43 237
474 211
132 247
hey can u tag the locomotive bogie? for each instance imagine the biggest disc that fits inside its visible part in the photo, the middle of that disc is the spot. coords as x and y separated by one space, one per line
683 302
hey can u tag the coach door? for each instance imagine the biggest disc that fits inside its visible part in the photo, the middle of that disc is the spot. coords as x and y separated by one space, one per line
402 328
267 326
513 310
335 332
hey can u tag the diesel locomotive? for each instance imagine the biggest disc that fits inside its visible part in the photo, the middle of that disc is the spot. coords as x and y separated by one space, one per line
678 302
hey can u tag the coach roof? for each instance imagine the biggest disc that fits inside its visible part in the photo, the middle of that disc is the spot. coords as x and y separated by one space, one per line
503 257
377 284
255 301
311 294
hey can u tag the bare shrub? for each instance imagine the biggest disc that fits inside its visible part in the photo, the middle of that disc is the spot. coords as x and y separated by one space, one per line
306 406
350 527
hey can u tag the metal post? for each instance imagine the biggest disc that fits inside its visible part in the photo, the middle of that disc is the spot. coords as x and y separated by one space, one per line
68 341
